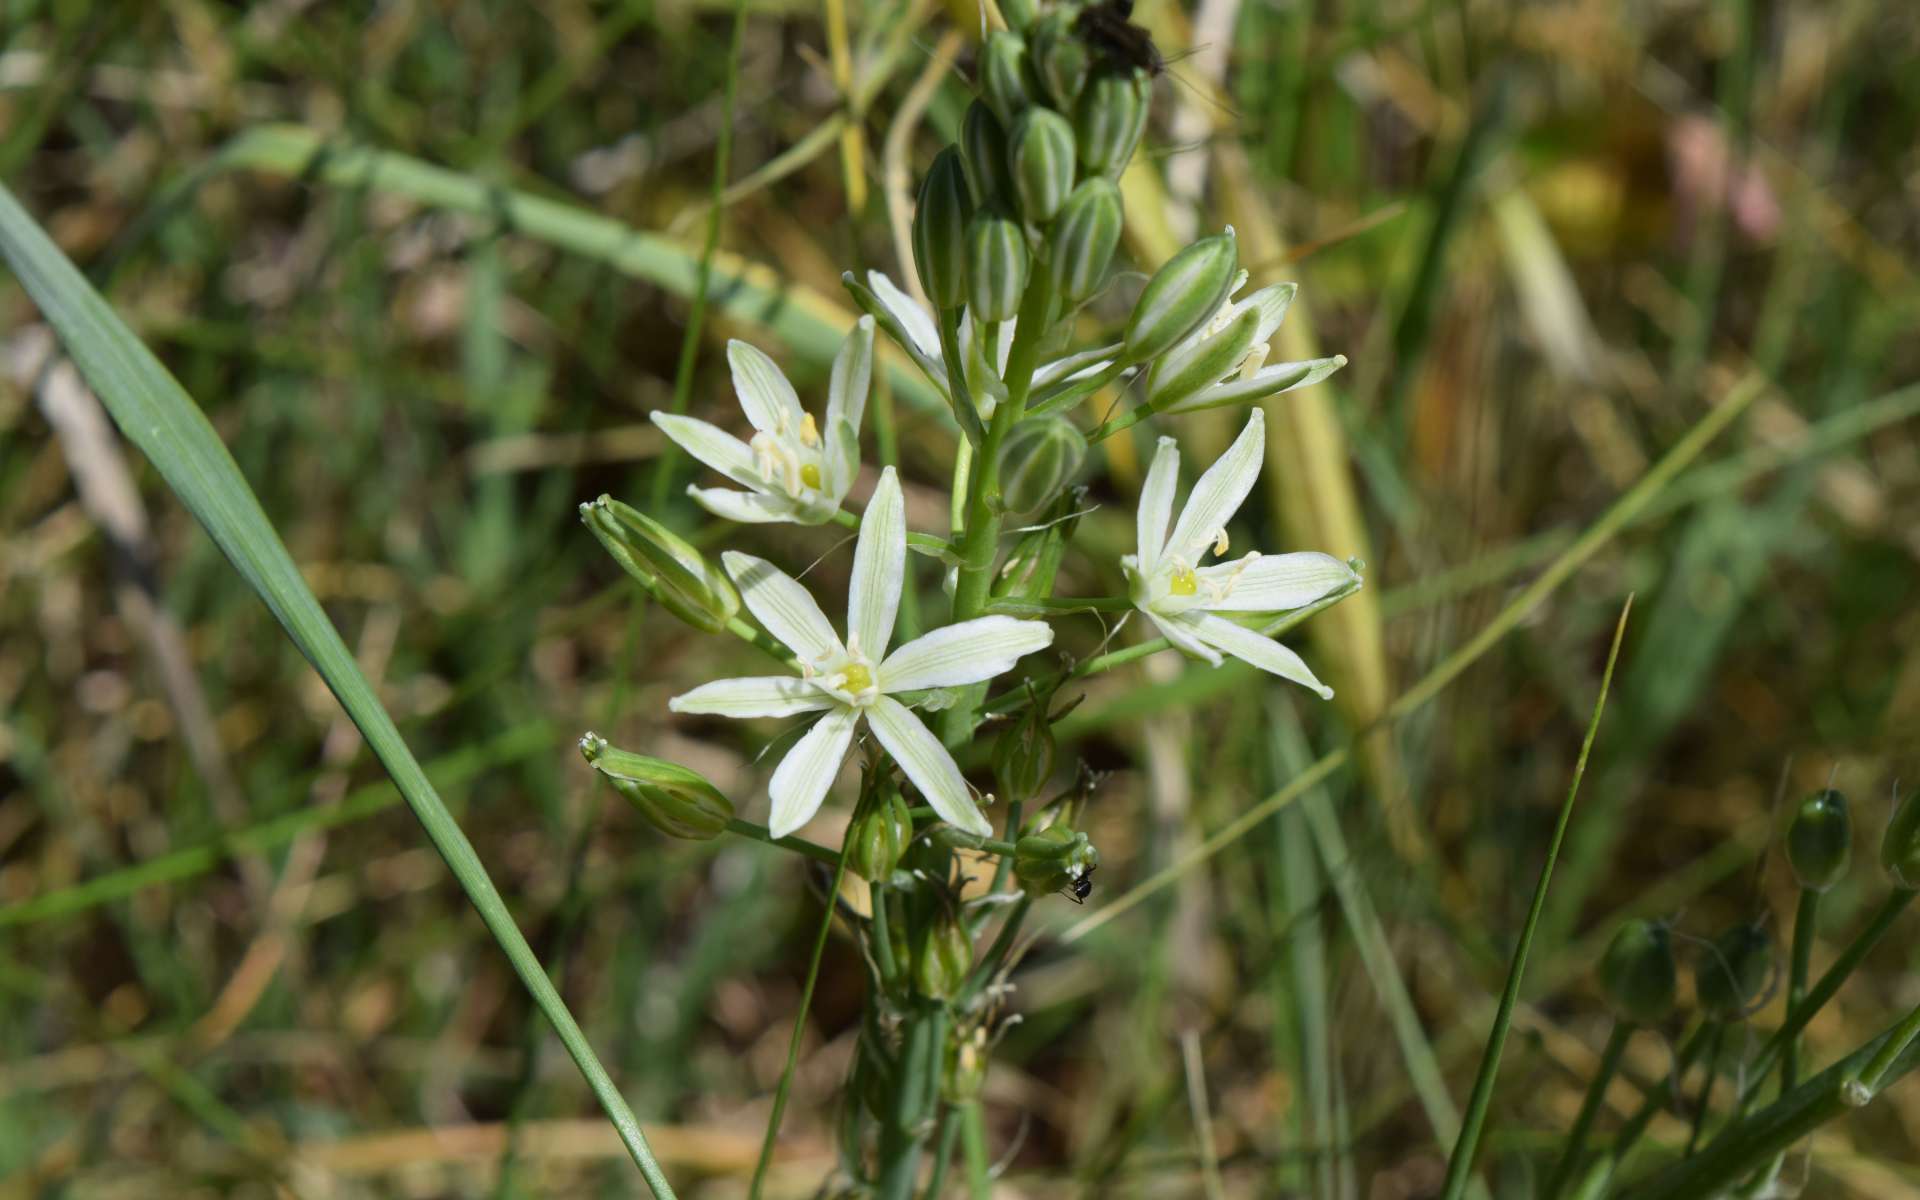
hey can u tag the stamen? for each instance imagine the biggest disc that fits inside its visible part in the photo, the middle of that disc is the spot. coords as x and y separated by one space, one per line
1255 359
809 432
1220 543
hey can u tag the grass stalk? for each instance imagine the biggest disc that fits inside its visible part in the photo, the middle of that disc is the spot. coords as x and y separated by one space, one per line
1575 1146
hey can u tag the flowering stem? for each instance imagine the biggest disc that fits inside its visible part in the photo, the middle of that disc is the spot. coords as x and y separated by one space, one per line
760 833
903 1132
882 938
973 1127
1804 922
1590 1107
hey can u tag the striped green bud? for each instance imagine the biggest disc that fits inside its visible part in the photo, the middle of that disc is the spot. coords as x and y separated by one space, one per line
1060 59
1085 234
879 837
942 958
1109 119
1820 840
1019 13
677 802
677 575
1637 973
997 267
1730 972
1181 376
1054 859
1005 75
1900 848
1040 456
1040 150
1182 294
984 142
940 230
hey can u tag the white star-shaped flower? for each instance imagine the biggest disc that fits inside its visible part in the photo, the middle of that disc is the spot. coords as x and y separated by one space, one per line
793 469
856 679
1193 375
1184 599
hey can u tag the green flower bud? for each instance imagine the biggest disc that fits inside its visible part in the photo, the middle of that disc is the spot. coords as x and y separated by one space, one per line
1178 376
942 958
940 230
1109 119
1085 234
677 802
997 267
1040 456
1024 752
1637 973
1820 840
1019 13
1182 294
1055 859
1040 150
1060 59
1730 973
984 140
678 575
1900 848
879 837
1004 73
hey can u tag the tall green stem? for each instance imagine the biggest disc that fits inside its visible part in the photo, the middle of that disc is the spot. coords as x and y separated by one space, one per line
1590 1107
904 1131
1805 921
973 1131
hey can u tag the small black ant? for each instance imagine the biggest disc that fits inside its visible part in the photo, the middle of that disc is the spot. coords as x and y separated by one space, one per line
1108 30
1080 888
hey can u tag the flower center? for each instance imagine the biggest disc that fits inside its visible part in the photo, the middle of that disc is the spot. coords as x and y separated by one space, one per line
856 677
1183 581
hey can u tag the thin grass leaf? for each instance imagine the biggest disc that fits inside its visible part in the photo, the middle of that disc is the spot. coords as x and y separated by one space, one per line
1460 1165
158 416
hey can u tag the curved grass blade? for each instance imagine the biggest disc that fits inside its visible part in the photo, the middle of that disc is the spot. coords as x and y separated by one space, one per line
158 416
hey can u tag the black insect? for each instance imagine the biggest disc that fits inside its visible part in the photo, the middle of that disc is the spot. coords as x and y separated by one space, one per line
1081 888
1108 30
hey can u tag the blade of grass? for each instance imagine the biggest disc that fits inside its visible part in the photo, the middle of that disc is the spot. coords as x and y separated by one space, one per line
1460 1166
158 416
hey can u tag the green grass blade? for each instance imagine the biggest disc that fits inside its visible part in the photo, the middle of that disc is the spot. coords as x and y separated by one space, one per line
158 416
1460 1165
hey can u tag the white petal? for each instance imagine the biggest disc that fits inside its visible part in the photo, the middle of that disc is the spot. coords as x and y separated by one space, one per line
1156 504
1249 647
748 508
1272 301
1274 582
1183 640
847 399
879 568
801 780
1220 492
712 445
787 610
1267 381
927 764
758 696
917 321
969 652
765 394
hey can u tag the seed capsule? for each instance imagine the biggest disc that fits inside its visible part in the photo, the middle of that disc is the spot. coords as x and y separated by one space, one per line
677 574
997 268
1730 973
1820 840
1182 294
1109 119
879 838
677 802
984 140
940 230
1085 234
1004 75
1637 974
1040 151
1900 848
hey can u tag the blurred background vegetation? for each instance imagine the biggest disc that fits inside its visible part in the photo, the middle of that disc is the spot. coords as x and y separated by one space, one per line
1549 237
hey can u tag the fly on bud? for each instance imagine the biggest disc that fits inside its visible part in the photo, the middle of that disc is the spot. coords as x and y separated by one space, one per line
1732 970
1055 859
997 267
678 575
1109 119
1900 848
1181 295
983 139
1085 234
1040 456
677 802
1637 973
940 230
1004 72
879 837
1820 840
1040 150
1060 59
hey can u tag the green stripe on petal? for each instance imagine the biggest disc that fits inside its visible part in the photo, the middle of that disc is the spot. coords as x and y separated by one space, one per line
1249 647
712 445
970 652
927 764
1220 492
765 395
802 779
753 696
1156 504
748 508
788 610
1276 582
879 568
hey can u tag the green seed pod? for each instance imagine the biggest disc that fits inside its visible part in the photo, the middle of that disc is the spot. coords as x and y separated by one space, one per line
878 839
1023 754
1820 840
984 140
1181 376
1004 75
677 802
997 267
942 958
1055 859
1019 13
1181 295
1040 456
1085 234
940 230
1730 973
1109 119
1637 974
678 575
1900 848
1060 59
1040 150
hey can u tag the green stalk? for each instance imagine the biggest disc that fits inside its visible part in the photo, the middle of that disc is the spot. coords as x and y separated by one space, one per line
1805 921
1705 1096
1590 1108
903 1132
1657 1097
973 1131
1865 1085
1460 1165
882 939
948 1134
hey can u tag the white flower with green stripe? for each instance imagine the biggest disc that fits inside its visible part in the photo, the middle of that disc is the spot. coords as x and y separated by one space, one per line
858 679
1185 600
793 468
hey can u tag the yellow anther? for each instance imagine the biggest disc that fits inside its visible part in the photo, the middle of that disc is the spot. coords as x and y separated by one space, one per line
809 432
1255 359
1220 543
810 474
1184 582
